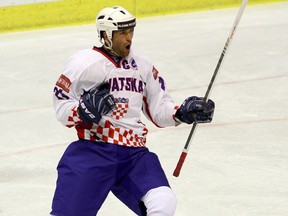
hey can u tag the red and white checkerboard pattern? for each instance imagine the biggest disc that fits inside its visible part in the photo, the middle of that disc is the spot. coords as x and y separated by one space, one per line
106 132
109 133
74 119
121 110
119 136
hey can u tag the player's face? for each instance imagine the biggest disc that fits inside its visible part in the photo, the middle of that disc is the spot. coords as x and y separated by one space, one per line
122 41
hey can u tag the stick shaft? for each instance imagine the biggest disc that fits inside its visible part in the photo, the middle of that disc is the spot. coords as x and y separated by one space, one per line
184 153
225 49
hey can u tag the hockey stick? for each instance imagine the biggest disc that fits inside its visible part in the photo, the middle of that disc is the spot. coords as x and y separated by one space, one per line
206 97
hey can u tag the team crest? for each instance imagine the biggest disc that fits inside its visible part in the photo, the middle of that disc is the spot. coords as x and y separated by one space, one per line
122 106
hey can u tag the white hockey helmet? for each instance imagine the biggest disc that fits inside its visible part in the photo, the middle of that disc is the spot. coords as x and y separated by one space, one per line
113 19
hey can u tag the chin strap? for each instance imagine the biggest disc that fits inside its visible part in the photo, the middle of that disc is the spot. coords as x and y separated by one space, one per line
108 46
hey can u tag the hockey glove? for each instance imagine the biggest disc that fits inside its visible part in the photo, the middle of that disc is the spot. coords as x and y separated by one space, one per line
95 103
195 109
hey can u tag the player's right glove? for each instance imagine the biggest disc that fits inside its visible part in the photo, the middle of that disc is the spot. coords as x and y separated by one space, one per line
95 103
195 109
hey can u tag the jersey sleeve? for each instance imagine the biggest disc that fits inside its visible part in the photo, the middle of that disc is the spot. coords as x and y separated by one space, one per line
65 102
79 75
158 106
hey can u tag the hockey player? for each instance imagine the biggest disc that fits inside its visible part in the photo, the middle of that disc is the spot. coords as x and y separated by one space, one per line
101 93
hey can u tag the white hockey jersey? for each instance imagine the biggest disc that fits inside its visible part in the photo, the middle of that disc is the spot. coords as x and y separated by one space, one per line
135 85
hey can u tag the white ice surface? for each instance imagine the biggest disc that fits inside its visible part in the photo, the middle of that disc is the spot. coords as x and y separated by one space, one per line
236 166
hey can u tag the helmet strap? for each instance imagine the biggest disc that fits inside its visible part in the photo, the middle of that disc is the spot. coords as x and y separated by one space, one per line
107 43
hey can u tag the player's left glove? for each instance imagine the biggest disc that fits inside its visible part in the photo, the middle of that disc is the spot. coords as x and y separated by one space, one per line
95 103
195 109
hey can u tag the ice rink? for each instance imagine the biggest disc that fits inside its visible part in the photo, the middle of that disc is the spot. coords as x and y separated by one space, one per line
236 166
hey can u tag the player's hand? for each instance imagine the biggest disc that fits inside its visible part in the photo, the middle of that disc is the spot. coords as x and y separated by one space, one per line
195 109
95 103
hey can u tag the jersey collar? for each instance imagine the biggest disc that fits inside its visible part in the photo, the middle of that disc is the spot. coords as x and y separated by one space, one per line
114 60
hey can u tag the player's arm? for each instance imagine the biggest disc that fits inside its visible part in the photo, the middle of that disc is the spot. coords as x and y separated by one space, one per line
88 108
76 97
158 106
66 101
163 112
